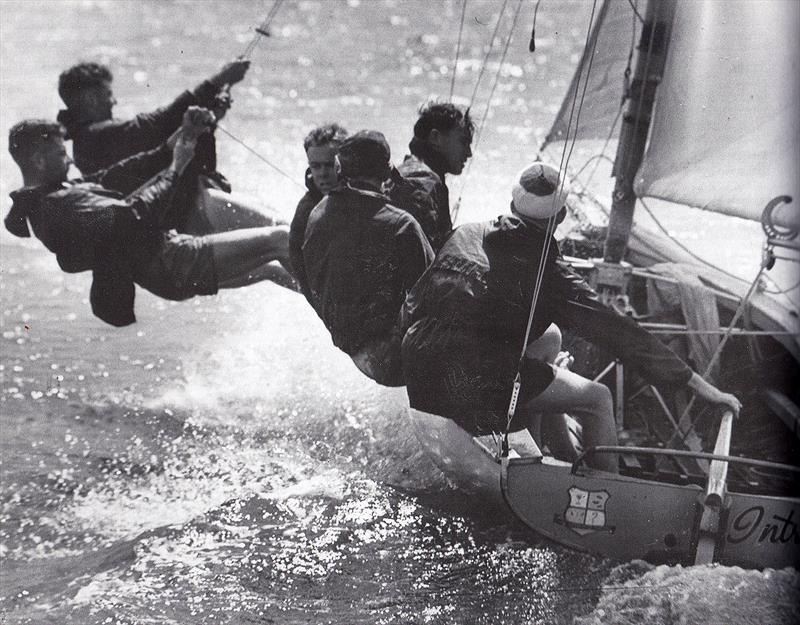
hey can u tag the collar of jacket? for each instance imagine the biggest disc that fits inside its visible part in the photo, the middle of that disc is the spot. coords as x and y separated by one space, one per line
24 200
366 192
430 157
73 123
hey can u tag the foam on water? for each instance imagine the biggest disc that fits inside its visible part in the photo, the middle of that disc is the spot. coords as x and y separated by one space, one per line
713 595
221 461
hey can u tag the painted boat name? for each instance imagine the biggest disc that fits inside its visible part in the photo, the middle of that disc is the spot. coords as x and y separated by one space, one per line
751 523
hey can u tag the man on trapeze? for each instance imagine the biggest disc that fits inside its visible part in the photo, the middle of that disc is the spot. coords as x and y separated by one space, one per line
122 230
100 140
321 146
441 145
467 321
361 256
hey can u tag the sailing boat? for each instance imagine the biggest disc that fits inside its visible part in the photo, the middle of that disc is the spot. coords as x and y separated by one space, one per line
709 140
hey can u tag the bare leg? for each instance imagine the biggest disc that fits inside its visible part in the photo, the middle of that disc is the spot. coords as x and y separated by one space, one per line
552 429
547 346
590 402
272 271
241 255
216 211
234 211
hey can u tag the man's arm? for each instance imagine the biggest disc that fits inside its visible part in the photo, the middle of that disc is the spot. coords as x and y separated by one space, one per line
297 232
91 218
578 308
581 311
415 253
103 143
131 173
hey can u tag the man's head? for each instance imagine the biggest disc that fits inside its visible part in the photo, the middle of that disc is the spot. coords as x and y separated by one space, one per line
539 192
446 131
365 156
321 146
86 90
37 146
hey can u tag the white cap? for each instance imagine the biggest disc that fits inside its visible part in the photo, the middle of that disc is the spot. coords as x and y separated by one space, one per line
539 192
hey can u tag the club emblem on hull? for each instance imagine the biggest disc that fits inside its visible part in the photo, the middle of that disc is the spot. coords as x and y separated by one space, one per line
586 512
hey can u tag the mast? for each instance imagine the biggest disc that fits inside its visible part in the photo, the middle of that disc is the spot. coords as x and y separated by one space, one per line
636 123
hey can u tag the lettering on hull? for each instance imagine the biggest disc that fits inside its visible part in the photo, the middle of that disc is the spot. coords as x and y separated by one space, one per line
756 525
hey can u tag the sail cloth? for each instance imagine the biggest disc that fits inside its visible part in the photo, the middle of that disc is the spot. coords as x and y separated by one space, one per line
725 134
614 29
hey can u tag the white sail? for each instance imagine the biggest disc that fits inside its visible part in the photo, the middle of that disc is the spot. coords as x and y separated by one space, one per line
725 134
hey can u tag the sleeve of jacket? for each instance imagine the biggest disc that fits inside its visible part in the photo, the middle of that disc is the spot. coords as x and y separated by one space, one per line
128 175
579 309
112 295
415 252
117 139
93 219
297 231
157 126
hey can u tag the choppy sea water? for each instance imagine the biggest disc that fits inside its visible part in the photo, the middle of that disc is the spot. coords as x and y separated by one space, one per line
220 461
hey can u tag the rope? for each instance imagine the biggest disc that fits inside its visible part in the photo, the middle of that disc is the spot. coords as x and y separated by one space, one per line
458 50
262 158
551 226
683 247
625 96
633 6
532 44
481 125
718 351
497 76
479 131
488 52
565 157
262 30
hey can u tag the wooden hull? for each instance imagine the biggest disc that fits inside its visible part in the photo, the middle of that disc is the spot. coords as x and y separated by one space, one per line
629 518
610 515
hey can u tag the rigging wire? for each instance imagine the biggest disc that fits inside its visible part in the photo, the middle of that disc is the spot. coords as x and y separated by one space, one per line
636 11
718 351
640 104
497 75
488 52
458 50
259 156
564 163
481 125
551 226
625 96
262 30
683 247
532 43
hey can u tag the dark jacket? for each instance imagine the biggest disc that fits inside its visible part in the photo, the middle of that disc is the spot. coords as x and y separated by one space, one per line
106 222
432 214
467 316
297 231
362 255
99 145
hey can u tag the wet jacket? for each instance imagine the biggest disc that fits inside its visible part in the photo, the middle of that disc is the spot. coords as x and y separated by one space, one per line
98 145
297 231
92 224
362 255
467 315
432 214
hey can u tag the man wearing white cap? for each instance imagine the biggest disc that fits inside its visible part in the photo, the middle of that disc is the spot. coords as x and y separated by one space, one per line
467 316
